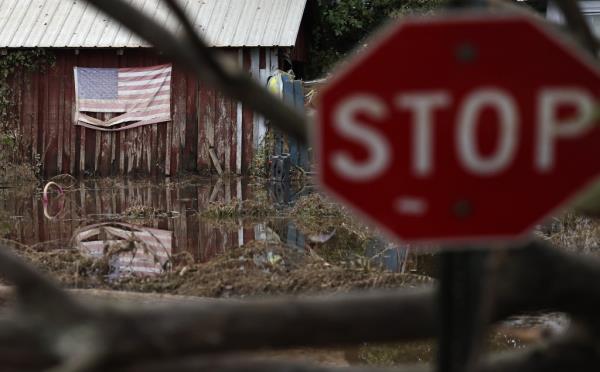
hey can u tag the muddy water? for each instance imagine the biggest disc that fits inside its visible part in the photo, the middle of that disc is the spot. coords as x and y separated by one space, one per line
168 206
175 208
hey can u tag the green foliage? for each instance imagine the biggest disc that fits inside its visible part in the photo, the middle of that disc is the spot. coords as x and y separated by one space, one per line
25 60
339 26
14 62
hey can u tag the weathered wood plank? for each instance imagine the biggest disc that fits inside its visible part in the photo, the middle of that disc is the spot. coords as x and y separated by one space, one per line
179 119
167 149
202 158
210 118
35 114
44 123
231 135
139 149
68 129
160 147
256 74
191 127
132 153
215 161
247 123
221 142
274 59
60 102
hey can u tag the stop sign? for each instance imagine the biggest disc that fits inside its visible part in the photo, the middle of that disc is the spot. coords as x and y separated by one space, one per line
460 128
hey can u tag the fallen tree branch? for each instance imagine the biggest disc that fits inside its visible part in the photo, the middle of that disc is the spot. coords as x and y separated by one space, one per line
251 364
577 350
114 298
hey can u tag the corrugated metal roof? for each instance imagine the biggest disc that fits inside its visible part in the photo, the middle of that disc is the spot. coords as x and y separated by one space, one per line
76 24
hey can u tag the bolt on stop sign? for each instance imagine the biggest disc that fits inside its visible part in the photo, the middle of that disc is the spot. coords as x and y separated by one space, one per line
460 128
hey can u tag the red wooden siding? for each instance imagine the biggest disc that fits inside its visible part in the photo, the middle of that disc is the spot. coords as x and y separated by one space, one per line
202 118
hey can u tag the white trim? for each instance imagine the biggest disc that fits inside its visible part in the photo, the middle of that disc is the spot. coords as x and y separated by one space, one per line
238 124
255 70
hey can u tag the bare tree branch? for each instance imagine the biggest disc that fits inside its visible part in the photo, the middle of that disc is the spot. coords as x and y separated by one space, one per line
577 25
249 364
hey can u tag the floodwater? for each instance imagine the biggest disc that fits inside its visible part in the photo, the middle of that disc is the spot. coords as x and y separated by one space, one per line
168 214
168 206
173 208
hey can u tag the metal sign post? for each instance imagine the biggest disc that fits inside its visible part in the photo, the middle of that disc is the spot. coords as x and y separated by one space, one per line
463 316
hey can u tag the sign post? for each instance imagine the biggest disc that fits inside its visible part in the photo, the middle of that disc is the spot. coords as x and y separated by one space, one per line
460 130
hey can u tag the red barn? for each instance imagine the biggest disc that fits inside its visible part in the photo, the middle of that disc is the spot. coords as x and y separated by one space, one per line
259 34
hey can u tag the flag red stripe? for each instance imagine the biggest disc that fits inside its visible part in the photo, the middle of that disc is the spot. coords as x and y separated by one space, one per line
145 77
146 113
124 106
145 95
145 86
143 69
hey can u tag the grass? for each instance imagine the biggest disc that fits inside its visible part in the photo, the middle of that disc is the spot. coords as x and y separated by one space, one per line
573 232
236 209
17 174
260 162
315 207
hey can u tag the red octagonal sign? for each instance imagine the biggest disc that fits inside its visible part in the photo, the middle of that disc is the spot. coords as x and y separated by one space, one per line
460 128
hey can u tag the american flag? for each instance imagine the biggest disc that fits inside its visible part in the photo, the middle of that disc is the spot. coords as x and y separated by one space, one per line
139 96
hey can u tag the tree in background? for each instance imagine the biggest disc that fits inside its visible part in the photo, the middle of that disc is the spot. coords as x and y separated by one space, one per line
339 26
